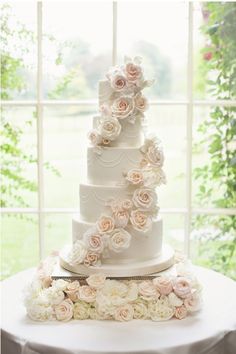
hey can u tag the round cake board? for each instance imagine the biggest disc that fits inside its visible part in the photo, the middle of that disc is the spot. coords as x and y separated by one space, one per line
154 265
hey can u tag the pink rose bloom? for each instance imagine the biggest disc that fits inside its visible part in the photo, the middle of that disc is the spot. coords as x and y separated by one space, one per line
145 198
124 313
118 82
122 107
155 155
94 137
121 218
91 259
93 240
182 287
148 291
135 176
141 103
181 312
64 311
87 293
163 285
133 72
72 290
105 224
140 221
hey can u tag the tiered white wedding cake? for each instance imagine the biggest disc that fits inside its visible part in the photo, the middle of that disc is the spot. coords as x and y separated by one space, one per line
118 230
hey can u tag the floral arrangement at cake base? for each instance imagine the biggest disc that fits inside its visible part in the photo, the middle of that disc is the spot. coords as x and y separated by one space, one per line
158 298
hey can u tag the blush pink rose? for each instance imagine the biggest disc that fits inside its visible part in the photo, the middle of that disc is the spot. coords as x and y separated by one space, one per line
72 290
163 285
64 311
87 293
105 224
91 259
118 82
133 72
140 221
182 287
141 103
135 176
181 312
93 240
145 198
122 107
124 313
148 290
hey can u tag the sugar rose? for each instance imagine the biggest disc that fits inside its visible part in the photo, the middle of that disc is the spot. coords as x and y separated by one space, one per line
119 240
133 72
118 82
122 107
109 128
163 285
182 287
64 311
94 137
78 253
96 281
145 198
135 176
91 259
93 240
155 155
124 313
141 103
181 312
87 293
140 221
121 218
105 224
126 204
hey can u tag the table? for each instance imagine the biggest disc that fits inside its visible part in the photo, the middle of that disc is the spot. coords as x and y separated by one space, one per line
212 330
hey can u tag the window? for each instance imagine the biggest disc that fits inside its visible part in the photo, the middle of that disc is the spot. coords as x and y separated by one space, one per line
66 52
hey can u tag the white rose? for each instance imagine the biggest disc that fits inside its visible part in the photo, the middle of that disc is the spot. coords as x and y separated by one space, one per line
96 281
193 303
81 310
148 291
135 176
141 103
163 284
140 221
39 312
109 128
174 300
122 107
124 313
54 295
64 311
153 177
105 224
95 315
115 293
60 284
87 293
145 198
93 240
119 240
78 253
94 137
140 310
155 155
159 312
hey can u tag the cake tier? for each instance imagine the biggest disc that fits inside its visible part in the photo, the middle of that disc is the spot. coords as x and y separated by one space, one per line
93 199
142 246
130 135
108 166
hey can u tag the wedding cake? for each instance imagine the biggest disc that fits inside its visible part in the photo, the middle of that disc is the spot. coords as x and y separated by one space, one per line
119 230
117 266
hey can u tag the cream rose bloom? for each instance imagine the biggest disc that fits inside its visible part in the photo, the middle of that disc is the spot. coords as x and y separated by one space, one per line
119 240
78 253
122 107
81 310
174 300
105 224
96 281
118 82
94 137
109 128
148 291
163 285
91 259
159 312
141 103
54 296
39 312
182 287
140 221
126 204
155 155
87 293
124 313
135 176
153 177
145 198
181 312
133 72
64 311
193 303
72 290
140 310
93 240
121 218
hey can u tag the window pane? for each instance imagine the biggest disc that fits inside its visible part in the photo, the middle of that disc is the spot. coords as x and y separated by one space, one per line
76 55
19 164
19 243
58 231
65 149
169 124
213 242
173 230
157 31
18 57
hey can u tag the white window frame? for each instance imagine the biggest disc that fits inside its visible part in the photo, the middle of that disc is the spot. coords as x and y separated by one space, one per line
189 103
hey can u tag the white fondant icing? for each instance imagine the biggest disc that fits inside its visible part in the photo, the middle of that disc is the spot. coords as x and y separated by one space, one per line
143 246
108 166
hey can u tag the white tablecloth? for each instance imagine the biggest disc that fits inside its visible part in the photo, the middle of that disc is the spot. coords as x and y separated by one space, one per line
213 330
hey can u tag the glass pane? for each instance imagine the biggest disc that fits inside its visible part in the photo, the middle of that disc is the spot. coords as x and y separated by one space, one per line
157 31
76 55
169 124
214 28
19 163
58 231
19 243
65 149
18 57
173 230
213 241
214 157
